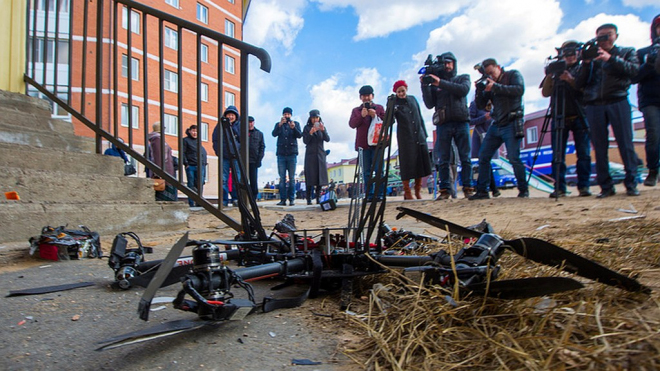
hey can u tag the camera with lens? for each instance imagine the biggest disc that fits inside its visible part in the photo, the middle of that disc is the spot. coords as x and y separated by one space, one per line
434 67
367 105
483 80
590 48
556 68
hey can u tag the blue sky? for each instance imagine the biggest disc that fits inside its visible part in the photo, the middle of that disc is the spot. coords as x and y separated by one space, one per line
323 51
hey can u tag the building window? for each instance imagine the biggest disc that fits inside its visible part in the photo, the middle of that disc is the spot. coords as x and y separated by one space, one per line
205 92
204 133
231 1
46 53
230 63
171 81
135 67
229 28
135 20
202 13
171 125
230 99
204 53
135 116
532 135
171 38
40 5
174 3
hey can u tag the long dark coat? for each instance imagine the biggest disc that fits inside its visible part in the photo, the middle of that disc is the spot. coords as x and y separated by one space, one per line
316 169
414 160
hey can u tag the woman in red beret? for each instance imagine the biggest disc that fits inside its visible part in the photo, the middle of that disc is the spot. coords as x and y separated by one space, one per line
414 159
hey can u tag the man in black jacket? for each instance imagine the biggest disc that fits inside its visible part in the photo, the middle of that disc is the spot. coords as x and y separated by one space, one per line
190 156
447 94
504 89
257 148
287 133
606 80
648 98
568 116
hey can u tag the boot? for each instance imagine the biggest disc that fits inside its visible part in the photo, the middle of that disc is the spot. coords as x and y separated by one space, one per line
468 191
407 195
651 179
443 194
418 188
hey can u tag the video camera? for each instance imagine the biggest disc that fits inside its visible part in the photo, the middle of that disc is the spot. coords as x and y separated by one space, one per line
590 48
434 67
588 51
482 82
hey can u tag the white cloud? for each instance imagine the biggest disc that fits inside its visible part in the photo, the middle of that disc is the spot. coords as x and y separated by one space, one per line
274 23
378 18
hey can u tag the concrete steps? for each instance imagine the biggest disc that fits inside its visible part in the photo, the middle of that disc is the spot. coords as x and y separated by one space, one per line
38 158
20 220
61 181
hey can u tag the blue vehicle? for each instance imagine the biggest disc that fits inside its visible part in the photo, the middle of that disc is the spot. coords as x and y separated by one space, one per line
617 172
503 179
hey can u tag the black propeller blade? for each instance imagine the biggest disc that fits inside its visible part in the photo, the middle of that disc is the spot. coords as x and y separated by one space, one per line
159 331
160 277
541 252
524 288
550 254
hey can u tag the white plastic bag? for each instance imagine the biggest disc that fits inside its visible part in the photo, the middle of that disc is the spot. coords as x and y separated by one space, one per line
374 130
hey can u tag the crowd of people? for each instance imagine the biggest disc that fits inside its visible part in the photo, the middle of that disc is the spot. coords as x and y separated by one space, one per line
588 87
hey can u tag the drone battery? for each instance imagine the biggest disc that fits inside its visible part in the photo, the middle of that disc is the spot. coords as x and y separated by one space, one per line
328 205
243 308
48 251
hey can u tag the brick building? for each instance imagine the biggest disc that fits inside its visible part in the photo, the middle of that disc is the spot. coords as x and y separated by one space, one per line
138 89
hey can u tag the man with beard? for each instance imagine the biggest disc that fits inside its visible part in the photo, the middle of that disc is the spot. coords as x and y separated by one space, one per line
448 95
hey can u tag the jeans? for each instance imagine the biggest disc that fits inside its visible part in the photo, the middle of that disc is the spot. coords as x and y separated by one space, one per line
580 131
495 136
652 146
619 116
191 176
368 160
253 180
460 133
287 164
226 166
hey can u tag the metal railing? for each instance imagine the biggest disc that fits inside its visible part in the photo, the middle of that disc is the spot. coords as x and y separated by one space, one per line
83 56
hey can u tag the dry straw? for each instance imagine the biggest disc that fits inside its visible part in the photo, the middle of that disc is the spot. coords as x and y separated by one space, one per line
405 325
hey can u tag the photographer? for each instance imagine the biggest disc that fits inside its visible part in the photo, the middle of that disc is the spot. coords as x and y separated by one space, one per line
360 120
567 115
504 89
231 114
316 169
287 133
648 97
606 79
447 93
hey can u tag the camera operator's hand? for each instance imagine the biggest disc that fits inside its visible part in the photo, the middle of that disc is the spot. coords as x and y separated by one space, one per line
282 121
566 76
436 80
603 55
292 124
489 84
372 112
487 115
